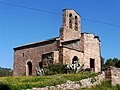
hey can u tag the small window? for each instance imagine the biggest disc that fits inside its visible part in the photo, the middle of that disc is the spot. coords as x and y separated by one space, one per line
23 54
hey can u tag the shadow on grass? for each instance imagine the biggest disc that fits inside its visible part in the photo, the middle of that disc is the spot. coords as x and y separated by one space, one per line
4 87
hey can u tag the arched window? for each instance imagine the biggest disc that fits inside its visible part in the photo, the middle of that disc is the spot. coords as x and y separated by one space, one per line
76 23
70 20
29 68
75 59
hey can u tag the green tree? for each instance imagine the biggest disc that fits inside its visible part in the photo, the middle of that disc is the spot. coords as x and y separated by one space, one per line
6 72
111 62
117 64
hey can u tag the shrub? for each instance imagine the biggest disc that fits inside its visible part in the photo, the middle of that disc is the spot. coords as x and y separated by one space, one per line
55 69
4 86
117 64
93 80
49 72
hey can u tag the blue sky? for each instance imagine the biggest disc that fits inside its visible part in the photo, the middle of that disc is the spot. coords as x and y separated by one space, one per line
20 26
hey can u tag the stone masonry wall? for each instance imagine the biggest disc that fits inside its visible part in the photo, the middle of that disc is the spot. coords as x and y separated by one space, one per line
74 44
69 54
113 75
34 55
91 48
67 33
65 19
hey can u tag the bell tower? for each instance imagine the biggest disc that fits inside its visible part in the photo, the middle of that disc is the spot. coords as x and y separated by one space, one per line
71 25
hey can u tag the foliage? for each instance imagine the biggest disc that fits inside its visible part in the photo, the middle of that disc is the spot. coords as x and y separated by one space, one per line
5 72
4 86
103 67
76 77
93 80
117 64
109 62
24 82
55 69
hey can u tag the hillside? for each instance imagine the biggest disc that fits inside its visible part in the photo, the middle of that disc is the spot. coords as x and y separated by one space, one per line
5 72
25 82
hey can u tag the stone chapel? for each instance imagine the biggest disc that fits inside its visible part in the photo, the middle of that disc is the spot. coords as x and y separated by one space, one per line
70 46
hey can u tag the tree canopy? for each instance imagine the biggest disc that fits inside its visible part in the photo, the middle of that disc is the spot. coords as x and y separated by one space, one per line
109 62
5 72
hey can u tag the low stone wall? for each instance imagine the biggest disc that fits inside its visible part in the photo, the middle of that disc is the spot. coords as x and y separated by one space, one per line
72 85
92 81
113 75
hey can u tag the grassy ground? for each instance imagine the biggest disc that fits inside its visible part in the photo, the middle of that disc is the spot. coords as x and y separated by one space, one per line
24 82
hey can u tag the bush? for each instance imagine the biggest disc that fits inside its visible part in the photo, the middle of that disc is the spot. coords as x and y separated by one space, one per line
5 72
49 72
4 86
117 64
8 86
55 69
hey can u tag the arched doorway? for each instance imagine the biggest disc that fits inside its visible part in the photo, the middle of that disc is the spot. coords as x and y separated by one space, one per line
29 68
75 59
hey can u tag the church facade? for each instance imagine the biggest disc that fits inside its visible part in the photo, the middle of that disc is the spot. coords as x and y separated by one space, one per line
71 45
